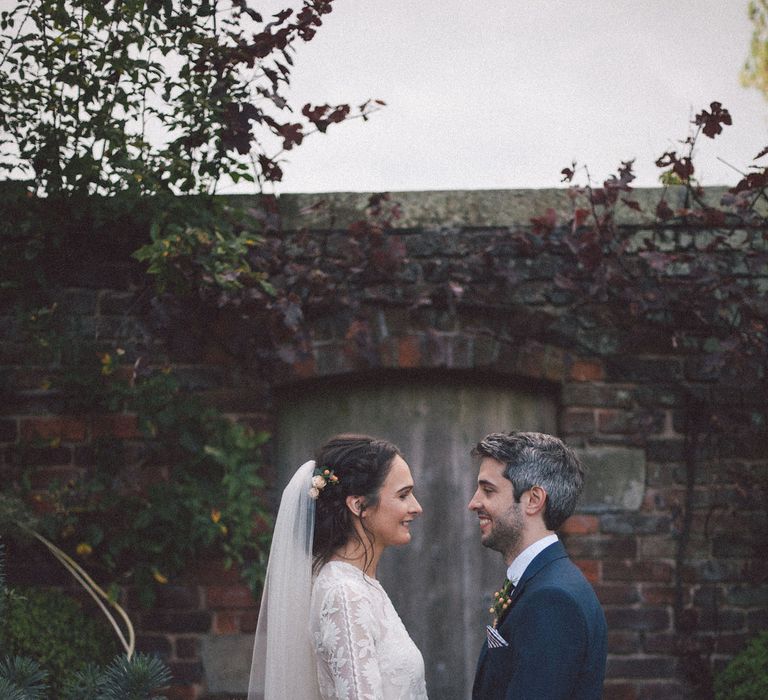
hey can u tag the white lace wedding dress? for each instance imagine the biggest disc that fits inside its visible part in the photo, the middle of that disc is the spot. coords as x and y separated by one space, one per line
362 648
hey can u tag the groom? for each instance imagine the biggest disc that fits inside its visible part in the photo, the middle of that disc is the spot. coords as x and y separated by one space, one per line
547 634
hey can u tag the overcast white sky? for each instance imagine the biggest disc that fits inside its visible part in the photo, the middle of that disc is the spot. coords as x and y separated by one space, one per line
485 94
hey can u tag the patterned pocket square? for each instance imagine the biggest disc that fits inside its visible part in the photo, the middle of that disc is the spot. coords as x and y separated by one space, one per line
495 640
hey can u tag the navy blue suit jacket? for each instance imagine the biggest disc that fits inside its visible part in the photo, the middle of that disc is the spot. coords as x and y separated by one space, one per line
556 633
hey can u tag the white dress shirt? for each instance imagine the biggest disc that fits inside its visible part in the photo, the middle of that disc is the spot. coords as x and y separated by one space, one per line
520 563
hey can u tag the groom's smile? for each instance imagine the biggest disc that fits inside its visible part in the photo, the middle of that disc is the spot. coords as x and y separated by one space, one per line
494 504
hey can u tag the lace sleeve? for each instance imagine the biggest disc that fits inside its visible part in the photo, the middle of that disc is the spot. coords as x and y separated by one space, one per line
345 631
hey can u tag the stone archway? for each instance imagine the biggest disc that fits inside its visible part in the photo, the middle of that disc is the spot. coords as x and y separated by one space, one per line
441 583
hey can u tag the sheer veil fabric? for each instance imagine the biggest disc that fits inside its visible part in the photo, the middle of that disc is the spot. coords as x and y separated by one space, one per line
283 663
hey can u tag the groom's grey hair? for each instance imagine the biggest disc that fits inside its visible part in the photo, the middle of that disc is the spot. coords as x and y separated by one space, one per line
537 459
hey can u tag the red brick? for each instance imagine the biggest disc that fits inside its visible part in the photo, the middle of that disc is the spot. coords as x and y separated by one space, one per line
8 430
645 619
248 621
170 597
660 643
388 352
645 570
38 456
602 547
650 667
225 623
183 692
581 525
541 361
408 352
623 642
237 596
187 647
617 593
189 672
117 425
731 643
615 421
213 572
44 477
587 371
619 691
53 429
186 622
590 568
578 421
305 368
665 498
660 691
659 595
657 547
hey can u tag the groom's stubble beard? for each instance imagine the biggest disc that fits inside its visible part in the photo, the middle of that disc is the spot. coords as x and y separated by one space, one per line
506 531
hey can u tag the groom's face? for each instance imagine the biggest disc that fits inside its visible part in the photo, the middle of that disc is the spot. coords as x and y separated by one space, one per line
501 519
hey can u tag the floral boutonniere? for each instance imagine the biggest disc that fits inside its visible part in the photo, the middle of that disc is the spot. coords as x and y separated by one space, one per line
501 601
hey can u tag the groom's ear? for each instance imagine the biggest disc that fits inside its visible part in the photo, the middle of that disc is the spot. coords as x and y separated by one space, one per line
537 499
355 504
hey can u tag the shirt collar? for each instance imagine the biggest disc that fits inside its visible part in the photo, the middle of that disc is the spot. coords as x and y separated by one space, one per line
520 563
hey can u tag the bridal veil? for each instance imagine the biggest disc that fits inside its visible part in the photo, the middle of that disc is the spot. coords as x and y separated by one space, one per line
283 659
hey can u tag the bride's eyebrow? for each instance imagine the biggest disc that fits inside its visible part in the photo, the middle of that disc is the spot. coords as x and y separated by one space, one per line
405 489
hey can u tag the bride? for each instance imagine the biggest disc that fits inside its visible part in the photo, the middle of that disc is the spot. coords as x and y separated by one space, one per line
327 628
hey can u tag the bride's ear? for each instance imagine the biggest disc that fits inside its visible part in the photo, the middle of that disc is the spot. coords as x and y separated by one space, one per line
355 504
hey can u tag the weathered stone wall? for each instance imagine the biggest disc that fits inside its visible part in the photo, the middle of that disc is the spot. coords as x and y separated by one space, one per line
617 400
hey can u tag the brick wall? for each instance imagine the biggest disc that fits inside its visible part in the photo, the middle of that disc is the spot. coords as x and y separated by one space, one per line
672 613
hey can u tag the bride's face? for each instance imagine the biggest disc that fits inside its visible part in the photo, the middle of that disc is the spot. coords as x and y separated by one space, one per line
389 521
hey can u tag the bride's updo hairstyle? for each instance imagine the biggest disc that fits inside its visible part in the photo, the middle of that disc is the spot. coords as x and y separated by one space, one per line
361 464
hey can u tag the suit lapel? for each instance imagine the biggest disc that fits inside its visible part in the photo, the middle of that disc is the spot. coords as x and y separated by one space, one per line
552 552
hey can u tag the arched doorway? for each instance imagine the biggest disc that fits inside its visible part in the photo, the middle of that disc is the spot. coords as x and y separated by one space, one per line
441 583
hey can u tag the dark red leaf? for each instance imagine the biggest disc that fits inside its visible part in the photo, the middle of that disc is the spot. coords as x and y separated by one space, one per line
632 204
272 75
283 15
753 181
668 158
339 114
545 224
683 168
625 171
579 217
263 44
663 210
270 170
762 153
292 135
711 121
